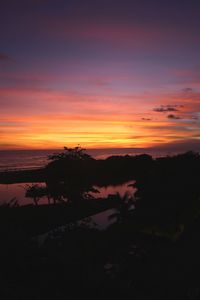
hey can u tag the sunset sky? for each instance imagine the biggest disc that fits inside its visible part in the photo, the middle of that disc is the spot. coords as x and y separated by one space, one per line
99 73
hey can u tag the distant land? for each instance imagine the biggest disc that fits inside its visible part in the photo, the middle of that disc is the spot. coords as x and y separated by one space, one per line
30 159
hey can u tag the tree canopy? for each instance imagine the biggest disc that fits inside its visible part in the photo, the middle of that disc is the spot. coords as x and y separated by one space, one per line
76 153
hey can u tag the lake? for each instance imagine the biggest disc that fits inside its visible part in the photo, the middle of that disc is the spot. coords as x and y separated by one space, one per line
16 190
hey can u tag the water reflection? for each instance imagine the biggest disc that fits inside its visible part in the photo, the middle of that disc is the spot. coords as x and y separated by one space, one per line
9 191
121 189
100 221
18 191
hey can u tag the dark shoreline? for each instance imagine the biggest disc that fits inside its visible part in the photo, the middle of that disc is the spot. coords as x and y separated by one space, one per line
151 253
39 219
20 176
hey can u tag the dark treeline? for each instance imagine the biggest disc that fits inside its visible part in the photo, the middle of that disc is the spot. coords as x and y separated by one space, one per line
114 169
167 187
168 190
150 252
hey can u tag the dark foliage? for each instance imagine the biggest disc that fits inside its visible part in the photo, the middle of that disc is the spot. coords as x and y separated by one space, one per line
151 252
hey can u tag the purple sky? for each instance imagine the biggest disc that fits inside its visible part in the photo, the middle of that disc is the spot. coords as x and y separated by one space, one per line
99 73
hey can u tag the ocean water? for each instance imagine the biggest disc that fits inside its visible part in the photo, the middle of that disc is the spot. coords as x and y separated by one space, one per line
30 159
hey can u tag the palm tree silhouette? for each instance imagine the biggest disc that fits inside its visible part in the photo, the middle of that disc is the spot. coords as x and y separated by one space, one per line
125 205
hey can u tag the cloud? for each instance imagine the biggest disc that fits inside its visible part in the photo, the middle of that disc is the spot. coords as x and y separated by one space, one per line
4 57
166 108
188 76
171 116
181 145
146 119
194 118
187 90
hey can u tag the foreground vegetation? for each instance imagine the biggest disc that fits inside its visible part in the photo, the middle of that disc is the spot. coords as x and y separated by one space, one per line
151 252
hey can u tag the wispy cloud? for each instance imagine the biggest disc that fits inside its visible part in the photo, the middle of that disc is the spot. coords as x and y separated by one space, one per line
166 108
146 119
182 145
173 117
187 90
5 57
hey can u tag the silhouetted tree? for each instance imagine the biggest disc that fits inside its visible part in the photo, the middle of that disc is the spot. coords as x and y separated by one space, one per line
123 208
76 153
35 191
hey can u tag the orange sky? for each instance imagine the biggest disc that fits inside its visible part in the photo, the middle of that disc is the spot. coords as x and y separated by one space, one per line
104 74
49 119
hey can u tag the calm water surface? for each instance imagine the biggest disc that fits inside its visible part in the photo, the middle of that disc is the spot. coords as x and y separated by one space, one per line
29 159
10 191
